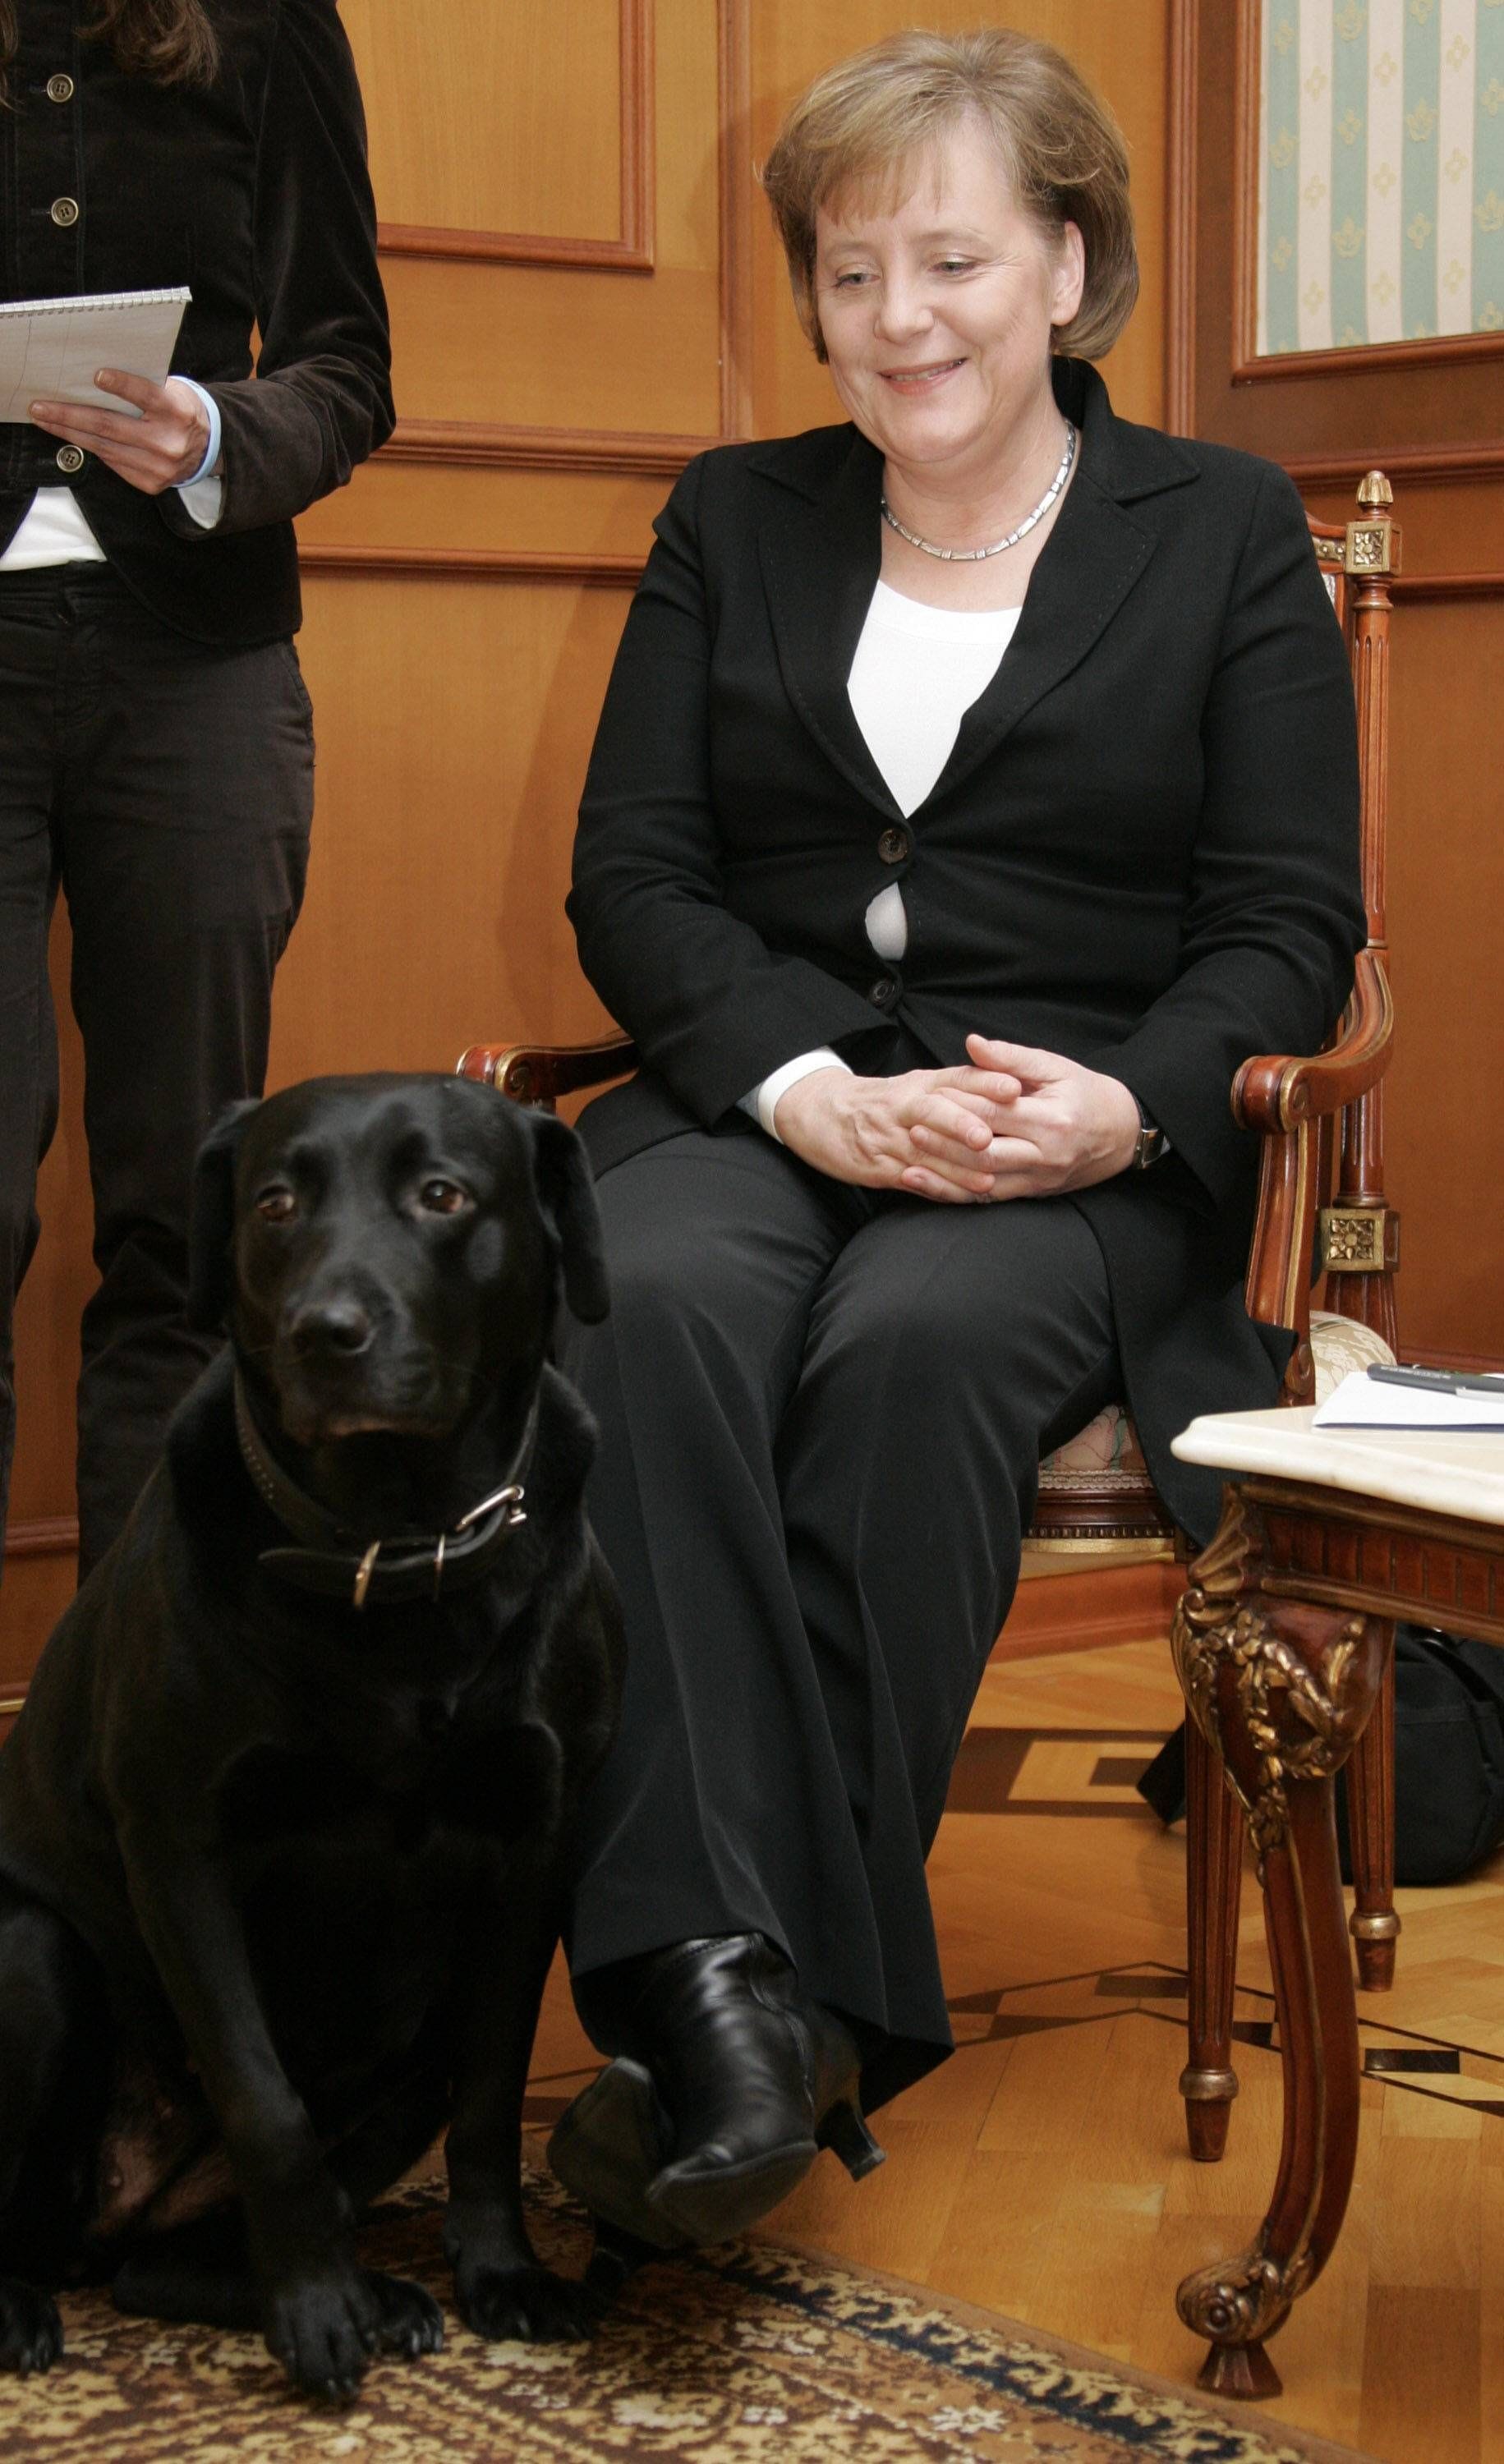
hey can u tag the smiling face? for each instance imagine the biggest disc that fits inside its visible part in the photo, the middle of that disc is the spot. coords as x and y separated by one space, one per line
937 312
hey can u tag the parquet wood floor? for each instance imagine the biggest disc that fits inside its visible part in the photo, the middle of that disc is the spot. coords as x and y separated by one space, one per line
1043 2172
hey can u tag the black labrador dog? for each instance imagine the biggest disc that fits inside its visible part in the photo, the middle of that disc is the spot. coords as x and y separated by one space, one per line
284 1823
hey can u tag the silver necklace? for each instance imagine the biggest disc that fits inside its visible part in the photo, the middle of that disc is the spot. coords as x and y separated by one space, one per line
975 555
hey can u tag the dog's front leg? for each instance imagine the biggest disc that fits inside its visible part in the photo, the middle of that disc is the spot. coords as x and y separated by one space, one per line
501 2289
322 2316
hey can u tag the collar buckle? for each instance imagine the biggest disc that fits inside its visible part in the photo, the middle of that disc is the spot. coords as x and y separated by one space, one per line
362 1575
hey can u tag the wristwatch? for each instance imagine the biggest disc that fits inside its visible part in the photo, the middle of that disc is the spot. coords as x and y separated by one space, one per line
1152 1141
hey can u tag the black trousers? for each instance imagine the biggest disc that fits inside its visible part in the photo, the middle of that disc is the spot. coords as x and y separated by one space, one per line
169 789
822 1411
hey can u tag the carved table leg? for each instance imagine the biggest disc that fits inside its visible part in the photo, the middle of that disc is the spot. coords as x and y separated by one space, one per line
1213 1876
1373 1925
1282 1690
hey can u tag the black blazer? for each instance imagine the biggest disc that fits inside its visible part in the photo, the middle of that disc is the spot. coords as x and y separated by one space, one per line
253 191
1143 851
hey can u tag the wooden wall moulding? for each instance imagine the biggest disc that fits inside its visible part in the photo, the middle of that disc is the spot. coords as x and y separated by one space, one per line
737 185
477 564
631 251
1410 466
1412 587
490 445
1180 238
50 1536
495 445
1102 1603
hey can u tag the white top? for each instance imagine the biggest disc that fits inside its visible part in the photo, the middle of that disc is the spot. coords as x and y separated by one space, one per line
54 531
55 528
1461 1473
916 673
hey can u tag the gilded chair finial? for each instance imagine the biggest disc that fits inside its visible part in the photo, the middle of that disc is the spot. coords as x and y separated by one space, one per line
1373 490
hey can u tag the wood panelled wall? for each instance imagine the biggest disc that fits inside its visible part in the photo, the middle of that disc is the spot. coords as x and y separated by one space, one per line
1433 416
584 290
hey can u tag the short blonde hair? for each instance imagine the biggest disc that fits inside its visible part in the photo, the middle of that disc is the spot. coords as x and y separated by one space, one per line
1060 146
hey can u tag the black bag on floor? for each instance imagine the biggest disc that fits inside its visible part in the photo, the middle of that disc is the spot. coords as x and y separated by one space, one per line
1449 1756
1448 1759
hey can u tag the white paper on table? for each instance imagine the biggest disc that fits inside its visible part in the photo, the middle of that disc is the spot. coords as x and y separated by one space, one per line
1364 1402
50 348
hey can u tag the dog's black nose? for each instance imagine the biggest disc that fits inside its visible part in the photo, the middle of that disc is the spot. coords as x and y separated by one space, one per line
338 1328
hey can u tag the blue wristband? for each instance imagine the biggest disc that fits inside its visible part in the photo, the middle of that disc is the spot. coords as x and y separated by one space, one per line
205 468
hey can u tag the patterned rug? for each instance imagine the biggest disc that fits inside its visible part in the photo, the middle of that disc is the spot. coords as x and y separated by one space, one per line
752 2354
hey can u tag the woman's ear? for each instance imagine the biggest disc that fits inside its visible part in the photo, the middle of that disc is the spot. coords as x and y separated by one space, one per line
213 1221
1070 275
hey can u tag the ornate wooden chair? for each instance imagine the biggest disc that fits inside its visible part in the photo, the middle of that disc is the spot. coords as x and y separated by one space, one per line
1320 1122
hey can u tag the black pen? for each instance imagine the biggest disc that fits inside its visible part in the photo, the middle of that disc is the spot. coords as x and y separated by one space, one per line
1440 1381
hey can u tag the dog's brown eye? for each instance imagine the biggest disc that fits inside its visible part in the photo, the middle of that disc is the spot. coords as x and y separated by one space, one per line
275 1204
442 1197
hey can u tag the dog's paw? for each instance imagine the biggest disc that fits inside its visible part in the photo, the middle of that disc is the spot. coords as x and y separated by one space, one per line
324 2330
412 2322
31 2331
526 2305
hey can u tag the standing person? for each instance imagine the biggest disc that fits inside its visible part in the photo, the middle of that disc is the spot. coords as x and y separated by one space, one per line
976 789
156 744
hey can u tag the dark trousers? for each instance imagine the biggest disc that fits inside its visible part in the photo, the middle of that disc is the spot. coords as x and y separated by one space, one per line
822 1411
169 789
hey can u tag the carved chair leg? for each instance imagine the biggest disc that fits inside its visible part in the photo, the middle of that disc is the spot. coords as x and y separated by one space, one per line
1373 1925
1282 1691
1213 1875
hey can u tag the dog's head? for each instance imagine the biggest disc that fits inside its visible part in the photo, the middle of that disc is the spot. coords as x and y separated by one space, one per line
388 1250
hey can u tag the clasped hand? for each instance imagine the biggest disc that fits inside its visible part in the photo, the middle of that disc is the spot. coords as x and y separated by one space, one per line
1015 1123
159 450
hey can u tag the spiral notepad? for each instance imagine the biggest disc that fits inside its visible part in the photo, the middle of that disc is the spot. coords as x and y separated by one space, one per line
50 348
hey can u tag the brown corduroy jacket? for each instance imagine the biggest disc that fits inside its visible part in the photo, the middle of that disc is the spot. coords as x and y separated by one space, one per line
254 192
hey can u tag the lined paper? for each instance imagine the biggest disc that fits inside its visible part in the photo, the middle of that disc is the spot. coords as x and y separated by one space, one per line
50 348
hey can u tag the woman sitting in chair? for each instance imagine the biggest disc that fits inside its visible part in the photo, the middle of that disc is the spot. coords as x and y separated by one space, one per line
976 789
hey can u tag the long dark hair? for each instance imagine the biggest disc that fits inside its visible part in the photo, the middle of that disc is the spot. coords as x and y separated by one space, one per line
170 41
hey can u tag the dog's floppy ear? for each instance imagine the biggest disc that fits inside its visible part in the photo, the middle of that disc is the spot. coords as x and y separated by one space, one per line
567 1195
214 1219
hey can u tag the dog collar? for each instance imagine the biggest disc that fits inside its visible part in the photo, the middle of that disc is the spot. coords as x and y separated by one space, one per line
407 1566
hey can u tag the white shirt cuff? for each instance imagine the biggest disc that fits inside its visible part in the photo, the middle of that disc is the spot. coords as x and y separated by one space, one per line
762 1101
203 495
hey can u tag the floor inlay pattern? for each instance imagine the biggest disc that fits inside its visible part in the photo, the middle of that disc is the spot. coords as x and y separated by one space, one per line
1398 2058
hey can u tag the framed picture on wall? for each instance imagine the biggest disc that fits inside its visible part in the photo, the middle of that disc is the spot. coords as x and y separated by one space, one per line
1370 184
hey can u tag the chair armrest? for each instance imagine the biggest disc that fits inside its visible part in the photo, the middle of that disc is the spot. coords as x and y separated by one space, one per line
1284 1098
1274 1092
537 1074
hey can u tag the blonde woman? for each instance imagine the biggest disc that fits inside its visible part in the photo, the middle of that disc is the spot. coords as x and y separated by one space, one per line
976 789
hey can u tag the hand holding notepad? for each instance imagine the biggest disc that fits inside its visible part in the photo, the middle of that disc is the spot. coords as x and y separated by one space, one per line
51 349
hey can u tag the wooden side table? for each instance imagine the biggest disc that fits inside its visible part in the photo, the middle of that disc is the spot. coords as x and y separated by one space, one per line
1280 1641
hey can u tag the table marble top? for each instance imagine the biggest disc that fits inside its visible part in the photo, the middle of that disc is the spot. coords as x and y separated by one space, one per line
1458 1472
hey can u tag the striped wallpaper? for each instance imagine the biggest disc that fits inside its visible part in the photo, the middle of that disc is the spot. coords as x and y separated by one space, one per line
1380 203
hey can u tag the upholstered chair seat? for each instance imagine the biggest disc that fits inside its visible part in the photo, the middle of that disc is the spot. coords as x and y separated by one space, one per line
1088 1487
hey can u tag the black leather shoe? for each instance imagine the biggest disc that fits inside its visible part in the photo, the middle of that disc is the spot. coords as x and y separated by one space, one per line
729 2085
608 2145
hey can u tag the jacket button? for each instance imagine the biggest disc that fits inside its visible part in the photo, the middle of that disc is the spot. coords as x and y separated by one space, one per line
65 213
884 991
70 458
59 89
894 845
